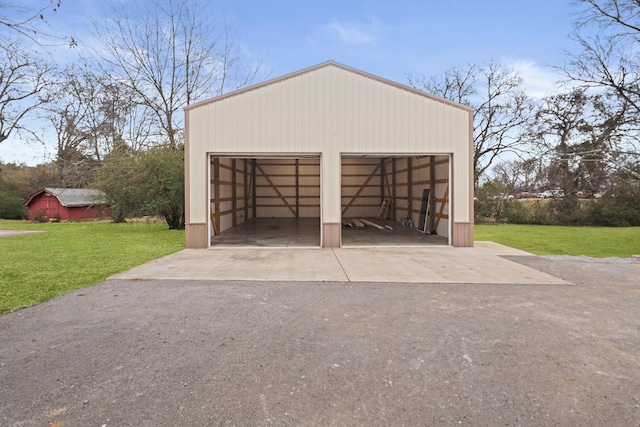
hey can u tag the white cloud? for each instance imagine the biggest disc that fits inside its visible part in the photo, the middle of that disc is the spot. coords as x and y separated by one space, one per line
539 80
350 33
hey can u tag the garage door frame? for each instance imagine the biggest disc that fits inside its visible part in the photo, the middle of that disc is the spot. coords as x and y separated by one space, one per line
442 187
262 156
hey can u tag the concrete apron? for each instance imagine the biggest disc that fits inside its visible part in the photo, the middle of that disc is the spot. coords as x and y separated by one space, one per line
480 264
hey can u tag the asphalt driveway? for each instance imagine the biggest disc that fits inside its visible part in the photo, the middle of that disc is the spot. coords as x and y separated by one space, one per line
201 352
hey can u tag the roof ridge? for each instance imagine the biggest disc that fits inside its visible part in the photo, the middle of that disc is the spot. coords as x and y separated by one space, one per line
318 67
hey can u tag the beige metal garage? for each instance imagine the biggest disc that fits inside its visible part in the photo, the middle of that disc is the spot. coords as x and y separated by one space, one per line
322 149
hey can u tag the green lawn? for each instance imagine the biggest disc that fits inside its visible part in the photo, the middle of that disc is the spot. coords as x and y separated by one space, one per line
72 255
556 240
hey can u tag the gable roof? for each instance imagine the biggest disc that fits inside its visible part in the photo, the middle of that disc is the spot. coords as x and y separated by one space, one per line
72 197
336 65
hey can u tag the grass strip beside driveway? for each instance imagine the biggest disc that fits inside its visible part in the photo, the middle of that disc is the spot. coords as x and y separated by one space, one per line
598 242
73 255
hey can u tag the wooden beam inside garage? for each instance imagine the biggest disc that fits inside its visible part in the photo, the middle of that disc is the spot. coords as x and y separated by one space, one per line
389 193
234 195
297 188
410 187
393 189
245 190
275 188
445 199
362 187
382 177
432 191
216 201
253 188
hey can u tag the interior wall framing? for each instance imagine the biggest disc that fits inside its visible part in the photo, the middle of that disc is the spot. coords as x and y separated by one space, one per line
361 178
288 188
368 181
231 189
245 188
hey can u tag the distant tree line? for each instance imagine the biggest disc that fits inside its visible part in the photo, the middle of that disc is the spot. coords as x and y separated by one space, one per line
115 114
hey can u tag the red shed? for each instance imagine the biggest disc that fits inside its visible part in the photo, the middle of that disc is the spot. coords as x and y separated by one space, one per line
67 204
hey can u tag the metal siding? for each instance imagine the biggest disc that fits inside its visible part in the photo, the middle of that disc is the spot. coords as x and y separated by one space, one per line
197 180
350 109
463 174
331 188
442 171
311 114
360 124
328 110
407 120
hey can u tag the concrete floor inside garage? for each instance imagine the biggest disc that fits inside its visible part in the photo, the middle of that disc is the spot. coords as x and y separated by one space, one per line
305 232
396 236
271 232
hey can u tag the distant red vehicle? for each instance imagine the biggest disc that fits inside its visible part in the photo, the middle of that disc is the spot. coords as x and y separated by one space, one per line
584 194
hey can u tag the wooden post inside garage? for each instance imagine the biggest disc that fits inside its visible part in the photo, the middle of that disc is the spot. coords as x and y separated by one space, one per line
234 195
245 189
253 189
297 188
216 200
432 191
383 172
409 188
393 188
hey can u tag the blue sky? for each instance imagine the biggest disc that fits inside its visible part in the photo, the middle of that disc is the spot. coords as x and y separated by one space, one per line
388 39
392 39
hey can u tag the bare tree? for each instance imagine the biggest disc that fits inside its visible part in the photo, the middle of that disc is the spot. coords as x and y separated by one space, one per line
111 118
520 175
169 55
609 34
581 135
23 80
22 21
91 117
74 99
560 121
502 108
117 120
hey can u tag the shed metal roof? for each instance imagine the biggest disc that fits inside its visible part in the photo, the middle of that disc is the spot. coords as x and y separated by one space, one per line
70 197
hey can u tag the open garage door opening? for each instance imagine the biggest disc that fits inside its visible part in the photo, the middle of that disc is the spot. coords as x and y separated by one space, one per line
395 200
264 201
